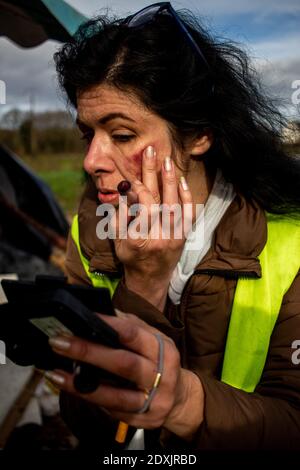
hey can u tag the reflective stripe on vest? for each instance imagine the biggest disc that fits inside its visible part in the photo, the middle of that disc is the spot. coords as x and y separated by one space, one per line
96 279
256 302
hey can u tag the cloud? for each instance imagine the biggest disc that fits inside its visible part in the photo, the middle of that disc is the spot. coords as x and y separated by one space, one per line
284 49
29 74
278 63
278 78
280 75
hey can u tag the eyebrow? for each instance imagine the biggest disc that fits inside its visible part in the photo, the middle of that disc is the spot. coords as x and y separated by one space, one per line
108 117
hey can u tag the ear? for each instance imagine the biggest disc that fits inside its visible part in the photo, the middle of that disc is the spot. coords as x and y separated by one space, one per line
202 143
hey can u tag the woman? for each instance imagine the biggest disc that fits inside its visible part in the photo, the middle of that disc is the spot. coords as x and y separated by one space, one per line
181 117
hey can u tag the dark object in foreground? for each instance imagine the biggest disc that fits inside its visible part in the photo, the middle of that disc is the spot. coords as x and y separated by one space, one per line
30 218
49 307
31 23
26 265
52 435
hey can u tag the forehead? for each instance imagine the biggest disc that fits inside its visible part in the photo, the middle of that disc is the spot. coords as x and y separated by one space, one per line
102 99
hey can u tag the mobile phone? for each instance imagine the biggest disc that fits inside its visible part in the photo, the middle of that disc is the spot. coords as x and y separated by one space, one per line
49 307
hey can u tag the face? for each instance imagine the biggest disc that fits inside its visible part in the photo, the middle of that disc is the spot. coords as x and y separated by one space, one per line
117 129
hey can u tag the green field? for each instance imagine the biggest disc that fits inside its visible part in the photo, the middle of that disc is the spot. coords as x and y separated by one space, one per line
64 174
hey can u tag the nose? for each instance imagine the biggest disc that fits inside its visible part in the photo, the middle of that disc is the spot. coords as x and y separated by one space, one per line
98 157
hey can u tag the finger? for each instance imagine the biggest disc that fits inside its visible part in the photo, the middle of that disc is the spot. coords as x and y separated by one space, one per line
164 399
120 220
138 321
120 362
171 210
151 350
130 198
149 172
127 364
149 420
143 193
133 318
134 334
147 212
188 208
170 191
171 356
107 396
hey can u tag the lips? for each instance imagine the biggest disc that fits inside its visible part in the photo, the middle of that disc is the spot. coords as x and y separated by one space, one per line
107 191
106 195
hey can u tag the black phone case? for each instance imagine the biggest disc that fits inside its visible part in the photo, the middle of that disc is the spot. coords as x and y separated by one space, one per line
31 306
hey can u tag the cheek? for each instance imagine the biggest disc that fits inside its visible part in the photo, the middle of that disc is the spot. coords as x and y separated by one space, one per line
137 159
134 164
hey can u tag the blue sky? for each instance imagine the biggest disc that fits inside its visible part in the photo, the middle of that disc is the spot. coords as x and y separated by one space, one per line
269 29
248 20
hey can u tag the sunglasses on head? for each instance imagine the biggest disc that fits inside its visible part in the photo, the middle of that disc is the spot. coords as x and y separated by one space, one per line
149 13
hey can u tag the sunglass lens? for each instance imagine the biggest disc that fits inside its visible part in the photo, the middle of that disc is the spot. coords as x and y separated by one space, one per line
143 16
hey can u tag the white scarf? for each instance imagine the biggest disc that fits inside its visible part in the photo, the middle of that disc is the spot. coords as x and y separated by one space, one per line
196 247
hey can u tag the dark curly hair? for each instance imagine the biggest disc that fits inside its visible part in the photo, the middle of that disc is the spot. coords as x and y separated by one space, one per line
158 65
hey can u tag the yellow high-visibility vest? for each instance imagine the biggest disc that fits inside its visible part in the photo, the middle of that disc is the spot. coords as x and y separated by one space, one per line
256 302
97 279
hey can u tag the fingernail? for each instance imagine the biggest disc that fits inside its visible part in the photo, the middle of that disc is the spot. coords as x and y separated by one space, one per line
120 314
150 152
56 378
60 343
123 187
137 182
183 183
168 164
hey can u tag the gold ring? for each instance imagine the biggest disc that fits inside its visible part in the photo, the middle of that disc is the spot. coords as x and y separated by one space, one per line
157 380
149 394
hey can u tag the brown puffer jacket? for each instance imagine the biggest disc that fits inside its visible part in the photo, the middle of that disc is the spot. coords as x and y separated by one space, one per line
269 418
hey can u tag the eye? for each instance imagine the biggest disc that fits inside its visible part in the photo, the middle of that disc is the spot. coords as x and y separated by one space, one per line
123 137
87 137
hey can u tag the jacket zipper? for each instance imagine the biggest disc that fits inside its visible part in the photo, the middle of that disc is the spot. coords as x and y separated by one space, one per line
111 274
228 274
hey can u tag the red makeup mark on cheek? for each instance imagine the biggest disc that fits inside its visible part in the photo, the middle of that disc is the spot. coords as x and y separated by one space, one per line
135 164
137 158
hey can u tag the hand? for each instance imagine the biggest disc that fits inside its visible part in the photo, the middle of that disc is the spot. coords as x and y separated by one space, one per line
149 261
178 403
